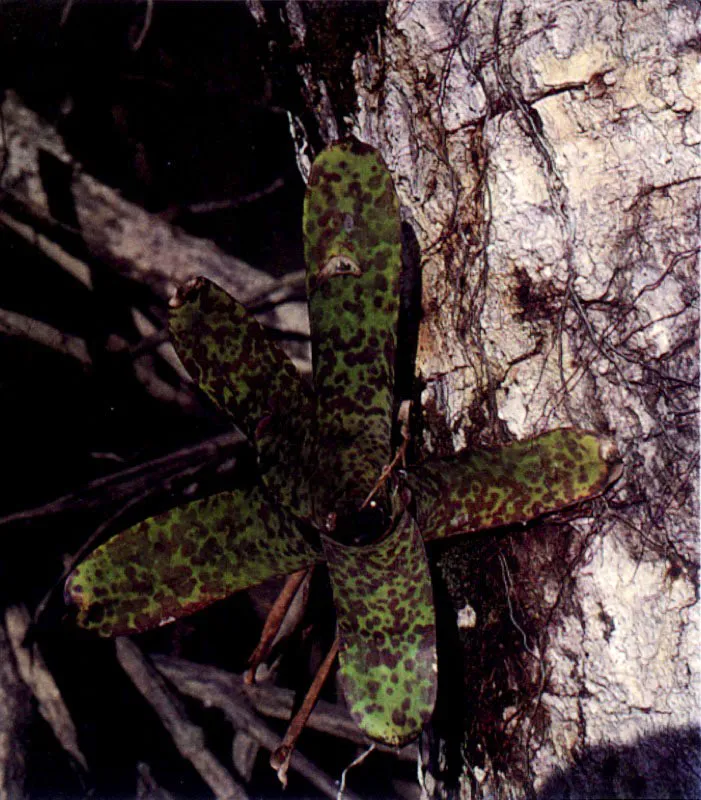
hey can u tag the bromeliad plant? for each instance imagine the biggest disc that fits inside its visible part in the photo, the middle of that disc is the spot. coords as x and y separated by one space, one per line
326 488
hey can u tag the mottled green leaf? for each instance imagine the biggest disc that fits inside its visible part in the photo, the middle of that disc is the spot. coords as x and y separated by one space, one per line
320 456
353 254
173 564
386 621
516 483
238 366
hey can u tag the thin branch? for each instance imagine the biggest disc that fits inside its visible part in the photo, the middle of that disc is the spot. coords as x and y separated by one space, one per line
186 462
244 754
142 246
34 672
289 287
257 11
66 11
75 347
211 685
400 455
14 324
72 265
146 786
355 763
274 621
188 737
5 147
145 28
281 757
15 718
236 202
215 688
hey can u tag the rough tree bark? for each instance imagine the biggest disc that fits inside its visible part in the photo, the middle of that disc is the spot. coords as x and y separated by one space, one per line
547 159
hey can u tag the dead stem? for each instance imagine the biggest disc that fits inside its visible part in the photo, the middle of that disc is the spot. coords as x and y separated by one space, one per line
400 455
280 759
273 622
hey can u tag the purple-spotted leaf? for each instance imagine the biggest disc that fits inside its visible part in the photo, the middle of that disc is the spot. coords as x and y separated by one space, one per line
173 564
516 483
243 371
386 622
353 254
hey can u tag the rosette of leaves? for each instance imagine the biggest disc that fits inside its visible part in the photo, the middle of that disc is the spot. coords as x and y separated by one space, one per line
323 491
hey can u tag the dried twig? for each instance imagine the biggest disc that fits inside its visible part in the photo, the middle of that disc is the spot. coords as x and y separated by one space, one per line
355 763
400 455
186 462
278 303
188 737
274 620
36 675
245 748
229 694
280 758
73 266
257 10
287 288
244 753
15 715
14 324
76 347
236 202
146 786
210 685
141 247
65 12
148 17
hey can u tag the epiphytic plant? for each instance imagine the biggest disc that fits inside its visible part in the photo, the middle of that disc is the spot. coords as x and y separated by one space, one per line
328 488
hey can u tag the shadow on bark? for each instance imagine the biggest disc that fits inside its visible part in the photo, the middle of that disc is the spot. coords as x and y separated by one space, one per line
666 764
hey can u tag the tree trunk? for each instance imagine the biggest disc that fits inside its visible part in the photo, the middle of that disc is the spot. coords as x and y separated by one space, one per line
547 160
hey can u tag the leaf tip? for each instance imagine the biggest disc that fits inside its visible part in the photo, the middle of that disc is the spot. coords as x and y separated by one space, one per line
73 592
184 293
610 454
